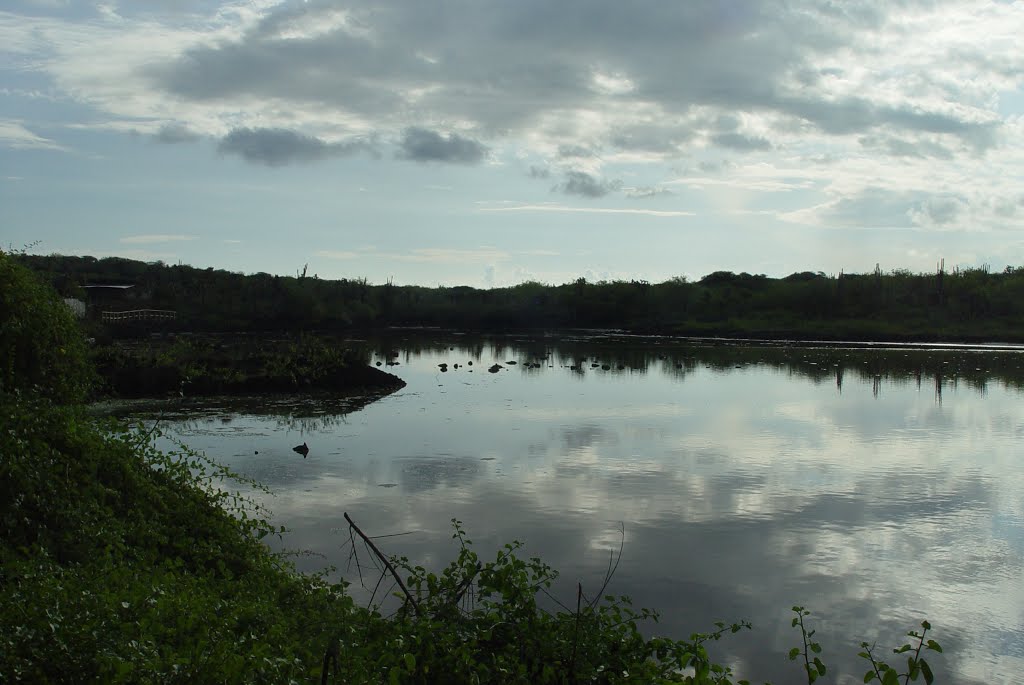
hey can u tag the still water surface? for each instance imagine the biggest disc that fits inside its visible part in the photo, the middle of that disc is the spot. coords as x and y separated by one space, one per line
877 486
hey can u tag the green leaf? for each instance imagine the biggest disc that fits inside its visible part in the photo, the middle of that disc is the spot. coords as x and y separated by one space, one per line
410 663
816 648
794 653
869 676
891 678
821 666
934 646
926 671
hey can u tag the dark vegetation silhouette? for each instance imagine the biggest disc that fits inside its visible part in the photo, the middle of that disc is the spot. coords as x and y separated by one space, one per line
968 304
205 365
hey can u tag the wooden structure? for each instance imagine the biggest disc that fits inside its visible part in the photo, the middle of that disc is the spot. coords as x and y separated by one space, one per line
140 315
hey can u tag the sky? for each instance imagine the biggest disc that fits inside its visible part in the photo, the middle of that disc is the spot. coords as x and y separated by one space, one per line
491 142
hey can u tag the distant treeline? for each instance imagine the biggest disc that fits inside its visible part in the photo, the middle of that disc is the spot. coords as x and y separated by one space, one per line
962 304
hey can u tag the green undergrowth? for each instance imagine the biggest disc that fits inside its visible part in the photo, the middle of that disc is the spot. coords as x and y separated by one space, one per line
121 563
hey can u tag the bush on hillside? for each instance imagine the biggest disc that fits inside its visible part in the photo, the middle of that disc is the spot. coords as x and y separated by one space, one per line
41 344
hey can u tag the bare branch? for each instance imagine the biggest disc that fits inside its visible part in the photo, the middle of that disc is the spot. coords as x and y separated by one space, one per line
387 564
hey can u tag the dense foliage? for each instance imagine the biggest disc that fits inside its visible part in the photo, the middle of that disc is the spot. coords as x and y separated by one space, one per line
41 347
964 304
120 563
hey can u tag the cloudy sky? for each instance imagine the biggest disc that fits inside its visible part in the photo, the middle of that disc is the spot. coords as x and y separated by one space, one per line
487 142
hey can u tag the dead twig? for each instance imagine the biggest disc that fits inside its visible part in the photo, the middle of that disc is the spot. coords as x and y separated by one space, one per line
576 635
384 560
460 591
612 567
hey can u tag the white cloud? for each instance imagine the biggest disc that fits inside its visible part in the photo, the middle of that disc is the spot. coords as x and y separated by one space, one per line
449 255
336 254
588 210
13 134
151 239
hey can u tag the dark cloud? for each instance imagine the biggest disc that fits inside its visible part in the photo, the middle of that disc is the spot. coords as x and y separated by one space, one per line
278 147
175 133
857 115
540 172
709 167
586 185
569 151
1006 208
939 211
422 145
658 138
738 141
726 123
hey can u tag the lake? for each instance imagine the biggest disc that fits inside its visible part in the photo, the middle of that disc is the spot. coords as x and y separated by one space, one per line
877 486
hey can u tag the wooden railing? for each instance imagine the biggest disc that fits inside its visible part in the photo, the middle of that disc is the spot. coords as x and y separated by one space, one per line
140 315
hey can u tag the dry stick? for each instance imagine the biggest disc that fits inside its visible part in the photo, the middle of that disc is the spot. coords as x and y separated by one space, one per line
384 560
460 591
376 587
355 554
576 636
331 655
373 557
611 569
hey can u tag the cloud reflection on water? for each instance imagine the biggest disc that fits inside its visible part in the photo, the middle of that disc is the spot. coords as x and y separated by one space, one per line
742 491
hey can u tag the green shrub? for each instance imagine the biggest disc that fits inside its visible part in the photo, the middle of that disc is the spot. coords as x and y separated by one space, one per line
41 344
